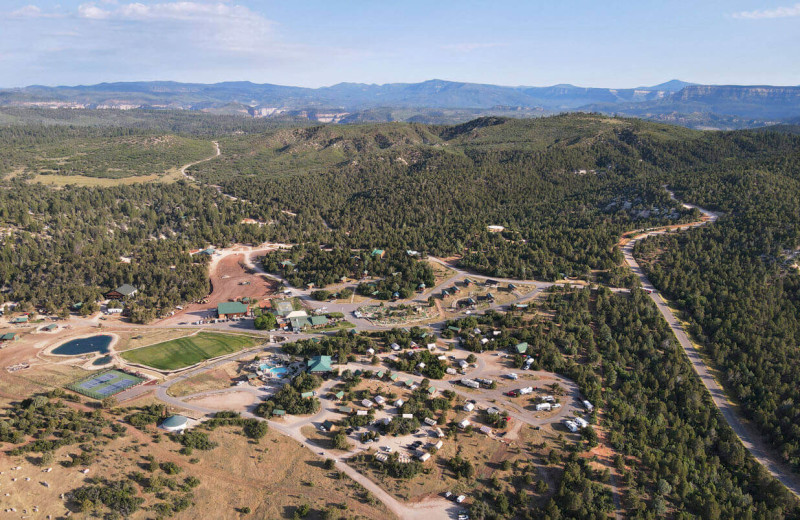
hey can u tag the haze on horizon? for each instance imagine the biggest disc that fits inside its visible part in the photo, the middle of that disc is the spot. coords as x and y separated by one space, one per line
320 43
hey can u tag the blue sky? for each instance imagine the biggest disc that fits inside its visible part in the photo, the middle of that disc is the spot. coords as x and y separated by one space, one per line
313 43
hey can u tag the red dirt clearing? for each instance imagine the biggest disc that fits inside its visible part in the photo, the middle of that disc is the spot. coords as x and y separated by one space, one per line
230 280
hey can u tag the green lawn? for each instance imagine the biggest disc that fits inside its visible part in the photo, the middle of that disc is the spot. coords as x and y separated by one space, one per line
184 352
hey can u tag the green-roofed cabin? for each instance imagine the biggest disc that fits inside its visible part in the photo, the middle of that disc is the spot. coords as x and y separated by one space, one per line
393 377
318 321
454 328
123 291
227 310
340 395
9 336
319 365
20 319
380 253
278 412
522 348
345 410
431 390
307 395
379 375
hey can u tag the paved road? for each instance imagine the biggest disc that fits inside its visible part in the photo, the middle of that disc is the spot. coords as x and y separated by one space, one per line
751 439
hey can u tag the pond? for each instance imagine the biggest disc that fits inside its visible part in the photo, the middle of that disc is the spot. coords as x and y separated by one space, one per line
77 347
102 361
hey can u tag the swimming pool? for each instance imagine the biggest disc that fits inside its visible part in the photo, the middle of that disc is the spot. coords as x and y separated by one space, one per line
79 346
275 371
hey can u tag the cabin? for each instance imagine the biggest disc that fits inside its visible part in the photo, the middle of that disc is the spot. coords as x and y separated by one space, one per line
521 348
9 336
123 291
380 253
227 310
494 284
466 302
319 365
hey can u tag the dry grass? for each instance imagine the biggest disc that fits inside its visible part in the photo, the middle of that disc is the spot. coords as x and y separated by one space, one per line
271 477
101 182
217 379
440 273
486 454
37 379
171 175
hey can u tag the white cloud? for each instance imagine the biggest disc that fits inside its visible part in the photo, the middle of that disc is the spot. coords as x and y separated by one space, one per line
29 11
184 10
92 12
32 11
778 12
229 27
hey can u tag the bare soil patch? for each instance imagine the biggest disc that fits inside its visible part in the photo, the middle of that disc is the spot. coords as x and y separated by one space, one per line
238 401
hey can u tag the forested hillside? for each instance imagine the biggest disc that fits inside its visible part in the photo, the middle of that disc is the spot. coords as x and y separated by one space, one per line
676 455
738 283
564 188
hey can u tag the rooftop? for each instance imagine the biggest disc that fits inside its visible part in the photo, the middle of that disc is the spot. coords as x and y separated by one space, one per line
320 364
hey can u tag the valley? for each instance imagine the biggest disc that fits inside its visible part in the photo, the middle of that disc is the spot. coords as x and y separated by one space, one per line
421 274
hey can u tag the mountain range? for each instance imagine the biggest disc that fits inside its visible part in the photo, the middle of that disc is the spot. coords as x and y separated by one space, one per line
679 102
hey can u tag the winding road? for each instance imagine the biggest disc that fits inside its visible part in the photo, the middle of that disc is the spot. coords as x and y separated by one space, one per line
750 438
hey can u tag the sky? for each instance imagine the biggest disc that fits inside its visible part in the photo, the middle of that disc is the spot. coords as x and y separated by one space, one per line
312 43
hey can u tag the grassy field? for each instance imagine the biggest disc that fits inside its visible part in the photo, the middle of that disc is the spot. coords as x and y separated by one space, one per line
171 175
110 156
137 339
184 352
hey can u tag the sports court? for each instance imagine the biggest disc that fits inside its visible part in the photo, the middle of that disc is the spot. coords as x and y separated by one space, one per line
105 384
